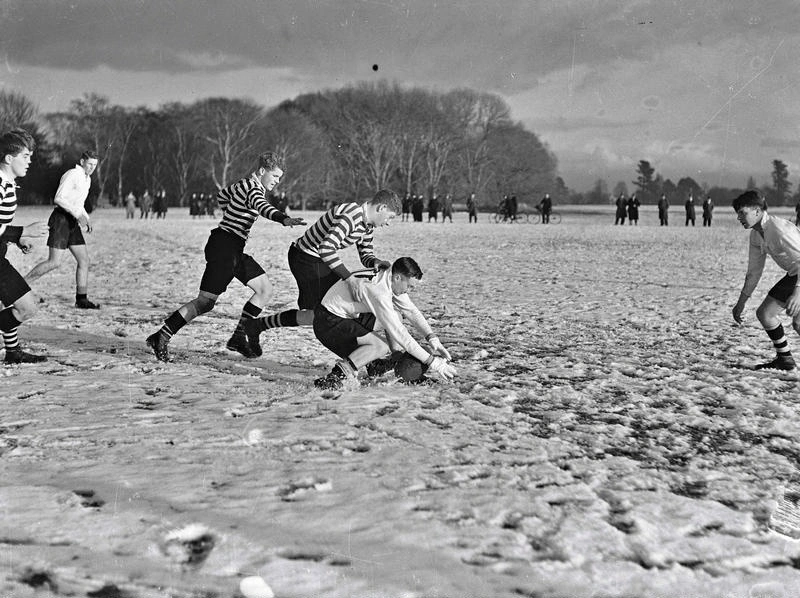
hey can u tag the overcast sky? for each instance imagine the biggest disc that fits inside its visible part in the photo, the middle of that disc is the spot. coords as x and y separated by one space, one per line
707 89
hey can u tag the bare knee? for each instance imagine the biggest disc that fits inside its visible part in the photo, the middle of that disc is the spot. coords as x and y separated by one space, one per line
767 314
24 308
260 286
204 304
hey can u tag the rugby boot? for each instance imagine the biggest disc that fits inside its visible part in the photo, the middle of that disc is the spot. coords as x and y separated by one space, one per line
238 342
252 330
84 303
781 362
332 380
159 343
17 355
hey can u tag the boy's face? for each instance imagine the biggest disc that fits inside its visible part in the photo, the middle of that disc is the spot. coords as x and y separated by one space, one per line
749 216
19 164
383 216
270 178
88 165
402 284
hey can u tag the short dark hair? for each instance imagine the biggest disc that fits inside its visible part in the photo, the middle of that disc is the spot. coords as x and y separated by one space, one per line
406 266
270 161
14 141
89 155
749 199
388 198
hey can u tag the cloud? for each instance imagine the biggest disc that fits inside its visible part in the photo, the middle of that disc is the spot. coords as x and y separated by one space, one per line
781 144
505 45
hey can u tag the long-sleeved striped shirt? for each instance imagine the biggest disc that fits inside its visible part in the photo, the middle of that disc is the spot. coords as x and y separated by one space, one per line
339 227
242 203
8 200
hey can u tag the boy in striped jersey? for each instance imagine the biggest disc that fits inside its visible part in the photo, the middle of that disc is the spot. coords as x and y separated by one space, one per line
241 204
16 149
315 262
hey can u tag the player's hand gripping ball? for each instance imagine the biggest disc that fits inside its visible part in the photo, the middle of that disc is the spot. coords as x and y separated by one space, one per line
410 369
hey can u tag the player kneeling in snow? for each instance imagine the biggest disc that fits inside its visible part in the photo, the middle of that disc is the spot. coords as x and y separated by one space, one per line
354 310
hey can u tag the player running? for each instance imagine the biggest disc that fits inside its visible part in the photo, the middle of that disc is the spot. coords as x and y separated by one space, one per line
242 203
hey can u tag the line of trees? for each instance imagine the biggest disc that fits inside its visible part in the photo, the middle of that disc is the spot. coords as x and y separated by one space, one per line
337 144
649 186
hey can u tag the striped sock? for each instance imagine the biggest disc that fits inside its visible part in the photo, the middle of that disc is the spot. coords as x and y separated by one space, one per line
250 311
780 341
10 338
279 320
173 324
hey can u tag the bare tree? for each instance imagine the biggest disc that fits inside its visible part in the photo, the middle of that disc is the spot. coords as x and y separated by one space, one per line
16 110
228 126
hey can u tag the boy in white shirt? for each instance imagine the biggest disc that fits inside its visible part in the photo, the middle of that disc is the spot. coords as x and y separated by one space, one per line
65 225
780 239
352 311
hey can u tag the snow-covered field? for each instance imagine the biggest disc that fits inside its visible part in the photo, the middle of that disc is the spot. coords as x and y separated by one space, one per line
604 436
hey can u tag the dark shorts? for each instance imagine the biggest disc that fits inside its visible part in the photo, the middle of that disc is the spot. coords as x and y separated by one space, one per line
313 277
65 230
340 334
226 260
783 289
12 284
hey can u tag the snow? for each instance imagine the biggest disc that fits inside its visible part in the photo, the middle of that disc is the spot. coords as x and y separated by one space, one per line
605 435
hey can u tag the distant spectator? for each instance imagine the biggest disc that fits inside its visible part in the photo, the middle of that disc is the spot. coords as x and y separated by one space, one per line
210 204
433 208
622 209
472 208
447 208
194 205
546 207
690 211
633 210
130 205
417 206
663 210
512 207
280 202
160 204
145 205
406 207
708 209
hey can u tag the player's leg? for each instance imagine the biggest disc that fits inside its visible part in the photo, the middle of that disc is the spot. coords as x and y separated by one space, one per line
57 242
250 273
347 338
53 261
21 305
768 313
159 340
222 254
81 255
313 279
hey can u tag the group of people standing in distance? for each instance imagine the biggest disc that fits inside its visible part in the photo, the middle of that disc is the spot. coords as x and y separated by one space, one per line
157 204
629 207
412 206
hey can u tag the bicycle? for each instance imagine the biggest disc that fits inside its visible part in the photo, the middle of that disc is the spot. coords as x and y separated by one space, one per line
555 217
500 217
